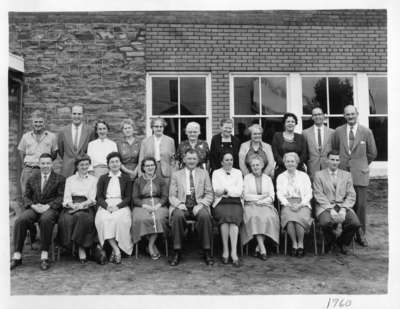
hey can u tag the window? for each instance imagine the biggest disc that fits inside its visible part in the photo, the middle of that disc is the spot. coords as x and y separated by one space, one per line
378 114
331 93
179 99
258 99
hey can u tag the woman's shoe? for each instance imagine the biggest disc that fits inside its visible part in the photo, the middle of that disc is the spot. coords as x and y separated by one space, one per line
82 261
293 252
117 259
263 256
236 263
225 260
300 252
155 256
112 257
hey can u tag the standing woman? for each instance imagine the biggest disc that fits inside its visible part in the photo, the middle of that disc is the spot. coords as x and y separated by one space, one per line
129 149
113 218
76 221
224 142
99 148
228 210
150 212
256 146
294 192
288 141
260 218
161 147
193 142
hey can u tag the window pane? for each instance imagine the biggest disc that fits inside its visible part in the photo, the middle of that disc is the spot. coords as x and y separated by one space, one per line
273 95
377 95
165 95
172 129
193 95
340 94
379 127
314 93
270 126
246 96
241 125
307 122
200 121
334 122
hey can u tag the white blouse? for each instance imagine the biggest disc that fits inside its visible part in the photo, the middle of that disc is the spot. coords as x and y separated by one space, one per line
77 185
297 186
232 183
99 149
267 195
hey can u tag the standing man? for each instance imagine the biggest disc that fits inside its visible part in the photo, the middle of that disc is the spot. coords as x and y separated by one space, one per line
318 138
335 198
43 201
73 141
33 144
357 148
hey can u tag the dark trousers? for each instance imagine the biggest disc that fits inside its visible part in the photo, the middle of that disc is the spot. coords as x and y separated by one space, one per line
203 226
27 220
349 226
360 206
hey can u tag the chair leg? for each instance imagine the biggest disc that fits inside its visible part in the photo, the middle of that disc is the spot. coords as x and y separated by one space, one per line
137 250
323 245
315 240
166 245
247 249
285 236
354 246
277 249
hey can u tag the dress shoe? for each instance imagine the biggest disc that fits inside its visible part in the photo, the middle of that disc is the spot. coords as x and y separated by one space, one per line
293 252
112 257
155 256
100 256
82 261
300 252
236 263
225 260
360 238
208 258
263 256
15 263
44 264
117 258
175 259
342 249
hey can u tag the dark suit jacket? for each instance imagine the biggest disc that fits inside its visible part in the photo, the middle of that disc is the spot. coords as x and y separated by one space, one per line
126 190
356 160
53 192
66 148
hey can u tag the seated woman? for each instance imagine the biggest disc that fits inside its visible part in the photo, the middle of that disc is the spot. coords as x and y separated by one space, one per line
76 221
294 193
113 218
260 216
228 210
150 212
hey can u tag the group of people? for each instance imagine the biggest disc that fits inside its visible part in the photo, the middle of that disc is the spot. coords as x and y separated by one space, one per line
115 194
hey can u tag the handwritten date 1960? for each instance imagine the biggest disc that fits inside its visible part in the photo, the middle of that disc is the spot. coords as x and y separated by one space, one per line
338 303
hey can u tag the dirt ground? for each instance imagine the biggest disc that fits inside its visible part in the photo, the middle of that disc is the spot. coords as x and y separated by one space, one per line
365 272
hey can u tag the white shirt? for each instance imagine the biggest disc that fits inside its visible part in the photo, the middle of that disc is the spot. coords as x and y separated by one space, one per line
348 133
232 183
77 185
316 134
98 151
74 128
157 141
302 185
187 171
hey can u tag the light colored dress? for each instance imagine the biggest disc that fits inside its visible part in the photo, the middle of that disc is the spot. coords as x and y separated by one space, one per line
294 188
259 219
98 151
118 223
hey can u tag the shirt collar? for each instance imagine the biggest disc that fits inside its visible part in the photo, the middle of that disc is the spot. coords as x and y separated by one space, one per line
110 174
84 176
354 127
333 173
45 132
47 175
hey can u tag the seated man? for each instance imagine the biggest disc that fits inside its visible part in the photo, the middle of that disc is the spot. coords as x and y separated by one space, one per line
190 196
335 197
42 201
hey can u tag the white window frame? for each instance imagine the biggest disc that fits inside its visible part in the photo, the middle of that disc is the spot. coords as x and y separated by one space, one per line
149 100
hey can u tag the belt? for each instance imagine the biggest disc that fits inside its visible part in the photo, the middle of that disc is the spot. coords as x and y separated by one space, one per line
31 166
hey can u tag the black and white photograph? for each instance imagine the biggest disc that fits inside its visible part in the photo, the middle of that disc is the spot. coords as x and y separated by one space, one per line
193 151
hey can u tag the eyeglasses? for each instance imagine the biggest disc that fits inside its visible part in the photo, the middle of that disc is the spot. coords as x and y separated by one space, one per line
149 165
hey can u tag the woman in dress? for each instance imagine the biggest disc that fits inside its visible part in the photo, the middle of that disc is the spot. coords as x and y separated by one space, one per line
113 218
227 207
288 141
294 192
76 221
260 216
99 148
224 142
256 146
161 147
129 149
193 142
150 212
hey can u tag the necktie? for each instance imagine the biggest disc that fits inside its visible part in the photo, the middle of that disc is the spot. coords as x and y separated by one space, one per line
44 181
351 138
191 179
319 139
76 139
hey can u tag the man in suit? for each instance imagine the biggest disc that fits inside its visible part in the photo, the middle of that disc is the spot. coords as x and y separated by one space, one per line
43 201
318 138
161 147
190 197
73 141
357 148
335 198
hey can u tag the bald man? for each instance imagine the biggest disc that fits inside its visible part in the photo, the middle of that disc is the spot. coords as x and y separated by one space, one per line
357 148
